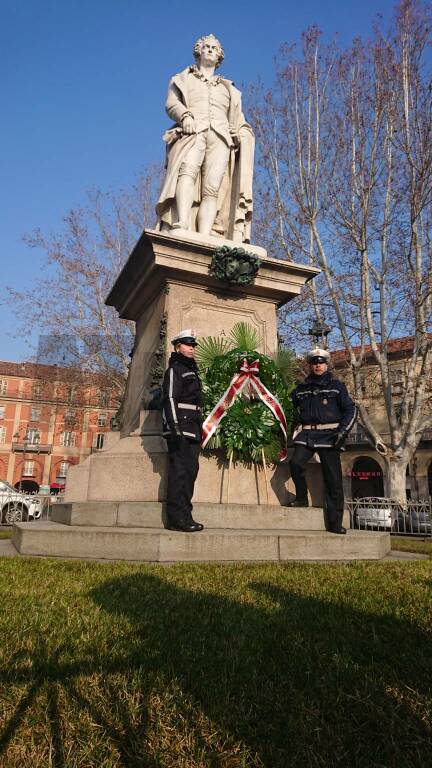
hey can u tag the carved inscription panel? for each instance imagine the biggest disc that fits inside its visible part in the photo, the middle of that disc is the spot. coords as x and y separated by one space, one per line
212 320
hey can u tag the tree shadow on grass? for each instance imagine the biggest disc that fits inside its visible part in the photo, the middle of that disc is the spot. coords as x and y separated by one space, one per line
299 680
285 680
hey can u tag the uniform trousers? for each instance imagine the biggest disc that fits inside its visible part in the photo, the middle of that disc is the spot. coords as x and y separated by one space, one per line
183 458
332 477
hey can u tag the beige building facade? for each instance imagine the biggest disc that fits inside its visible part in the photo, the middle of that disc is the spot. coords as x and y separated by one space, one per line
363 467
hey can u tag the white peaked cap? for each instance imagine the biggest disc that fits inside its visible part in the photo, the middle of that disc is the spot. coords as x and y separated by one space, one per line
317 352
188 336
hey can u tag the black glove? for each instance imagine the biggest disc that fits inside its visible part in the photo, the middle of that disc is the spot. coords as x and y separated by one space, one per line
176 435
339 439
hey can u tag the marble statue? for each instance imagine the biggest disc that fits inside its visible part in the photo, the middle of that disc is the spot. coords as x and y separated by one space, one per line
210 151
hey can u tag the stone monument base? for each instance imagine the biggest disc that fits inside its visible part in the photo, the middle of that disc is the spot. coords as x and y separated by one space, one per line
234 532
134 468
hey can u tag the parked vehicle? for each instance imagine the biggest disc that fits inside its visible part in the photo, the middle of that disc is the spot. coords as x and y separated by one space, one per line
378 514
381 514
16 507
420 521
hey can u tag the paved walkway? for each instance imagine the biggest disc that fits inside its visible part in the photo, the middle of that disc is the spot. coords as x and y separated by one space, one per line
396 555
7 549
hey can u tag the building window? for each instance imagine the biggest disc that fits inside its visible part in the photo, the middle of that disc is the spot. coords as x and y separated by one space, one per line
37 391
103 399
2 411
3 386
67 439
2 434
397 380
28 469
98 440
62 472
35 414
69 417
102 420
363 384
32 436
71 394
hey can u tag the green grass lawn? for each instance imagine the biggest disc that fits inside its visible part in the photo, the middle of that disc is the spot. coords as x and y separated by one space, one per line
6 534
197 666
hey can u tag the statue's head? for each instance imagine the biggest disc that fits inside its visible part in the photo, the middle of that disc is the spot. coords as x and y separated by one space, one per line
214 41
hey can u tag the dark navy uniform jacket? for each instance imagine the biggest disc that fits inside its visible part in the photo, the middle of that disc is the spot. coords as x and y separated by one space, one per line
323 400
182 398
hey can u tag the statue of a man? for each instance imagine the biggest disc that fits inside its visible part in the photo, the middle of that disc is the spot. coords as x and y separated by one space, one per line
210 149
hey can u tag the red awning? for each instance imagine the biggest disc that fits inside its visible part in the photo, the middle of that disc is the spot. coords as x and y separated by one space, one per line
57 486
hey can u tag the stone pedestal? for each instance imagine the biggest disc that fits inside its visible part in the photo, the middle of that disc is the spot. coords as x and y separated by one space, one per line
166 286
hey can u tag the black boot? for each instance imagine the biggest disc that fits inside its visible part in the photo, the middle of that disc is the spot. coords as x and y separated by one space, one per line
297 503
340 529
185 527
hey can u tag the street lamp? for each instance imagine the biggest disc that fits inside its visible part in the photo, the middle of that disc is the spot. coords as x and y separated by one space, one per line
15 439
319 332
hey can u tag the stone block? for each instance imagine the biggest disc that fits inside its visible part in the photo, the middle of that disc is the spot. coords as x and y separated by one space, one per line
157 545
218 546
54 540
247 484
86 513
330 546
140 514
258 517
128 477
77 481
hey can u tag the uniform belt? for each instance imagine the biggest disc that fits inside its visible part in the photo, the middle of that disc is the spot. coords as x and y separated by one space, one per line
189 406
320 426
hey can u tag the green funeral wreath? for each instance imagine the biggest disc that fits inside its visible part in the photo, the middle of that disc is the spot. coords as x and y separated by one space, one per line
249 429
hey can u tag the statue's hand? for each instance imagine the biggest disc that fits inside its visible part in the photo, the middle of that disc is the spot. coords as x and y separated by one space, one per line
188 125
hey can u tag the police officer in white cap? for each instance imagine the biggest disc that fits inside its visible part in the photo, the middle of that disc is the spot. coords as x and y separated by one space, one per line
182 400
326 413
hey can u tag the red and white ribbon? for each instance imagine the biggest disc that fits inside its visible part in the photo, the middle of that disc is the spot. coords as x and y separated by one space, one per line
248 375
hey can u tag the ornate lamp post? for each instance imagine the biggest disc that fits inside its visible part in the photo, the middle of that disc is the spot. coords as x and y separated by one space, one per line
319 332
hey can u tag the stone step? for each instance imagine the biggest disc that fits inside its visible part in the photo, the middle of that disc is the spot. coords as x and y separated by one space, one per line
227 516
52 539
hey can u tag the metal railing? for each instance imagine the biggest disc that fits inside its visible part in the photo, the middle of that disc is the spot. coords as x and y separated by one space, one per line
358 436
19 507
32 447
412 518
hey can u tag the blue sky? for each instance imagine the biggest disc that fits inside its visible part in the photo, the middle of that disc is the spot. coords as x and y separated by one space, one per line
84 83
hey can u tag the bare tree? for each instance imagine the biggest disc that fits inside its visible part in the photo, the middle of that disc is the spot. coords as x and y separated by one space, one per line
346 156
78 332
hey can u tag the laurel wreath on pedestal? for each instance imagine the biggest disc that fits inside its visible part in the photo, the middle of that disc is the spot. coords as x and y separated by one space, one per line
234 265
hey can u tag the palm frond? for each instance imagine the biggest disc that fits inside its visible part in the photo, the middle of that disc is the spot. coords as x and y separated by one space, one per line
209 348
285 363
245 337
